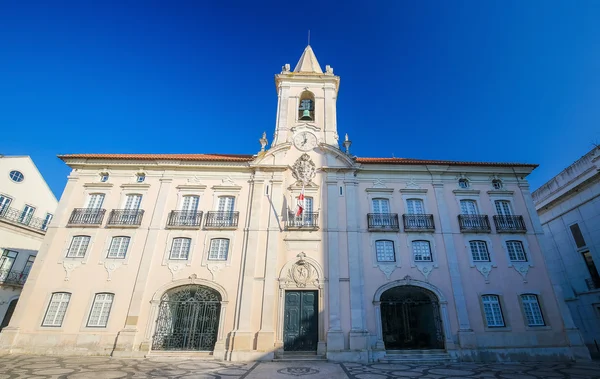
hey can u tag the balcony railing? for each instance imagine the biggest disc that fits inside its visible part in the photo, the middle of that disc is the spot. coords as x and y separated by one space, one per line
306 221
187 219
16 278
126 217
509 224
418 223
474 223
87 216
592 284
383 222
16 215
221 220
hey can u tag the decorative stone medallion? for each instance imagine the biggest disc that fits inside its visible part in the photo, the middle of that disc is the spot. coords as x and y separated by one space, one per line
304 169
298 371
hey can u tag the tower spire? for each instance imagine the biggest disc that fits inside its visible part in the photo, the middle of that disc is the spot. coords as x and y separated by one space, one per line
308 62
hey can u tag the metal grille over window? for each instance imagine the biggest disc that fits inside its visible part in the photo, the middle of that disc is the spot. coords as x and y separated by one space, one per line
118 247
385 251
78 247
421 251
479 251
180 248
219 248
492 310
533 312
100 310
57 309
516 253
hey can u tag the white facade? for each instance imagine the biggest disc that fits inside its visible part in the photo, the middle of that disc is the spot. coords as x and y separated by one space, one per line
569 209
27 206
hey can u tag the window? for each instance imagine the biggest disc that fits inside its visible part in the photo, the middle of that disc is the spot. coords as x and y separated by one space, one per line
492 311
57 309
226 204
479 251
468 207
415 207
118 247
133 202
503 207
27 214
516 252
140 178
104 177
463 183
421 251
28 266
190 203
385 251
16 176
306 110
219 247
47 220
100 310
577 236
180 249
6 262
78 247
497 184
381 206
4 204
95 201
532 310
591 266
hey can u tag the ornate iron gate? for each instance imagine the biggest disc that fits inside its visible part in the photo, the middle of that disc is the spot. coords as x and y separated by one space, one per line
188 319
410 318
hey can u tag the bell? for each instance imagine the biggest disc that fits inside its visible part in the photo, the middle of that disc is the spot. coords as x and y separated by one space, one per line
306 115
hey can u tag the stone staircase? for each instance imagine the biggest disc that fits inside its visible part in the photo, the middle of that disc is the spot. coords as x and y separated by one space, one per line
198 355
438 356
295 356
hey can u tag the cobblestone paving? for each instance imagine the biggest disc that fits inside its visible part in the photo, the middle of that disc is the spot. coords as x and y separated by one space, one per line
25 366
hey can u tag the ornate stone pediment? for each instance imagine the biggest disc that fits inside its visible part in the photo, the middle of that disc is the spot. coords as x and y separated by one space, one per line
304 169
301 274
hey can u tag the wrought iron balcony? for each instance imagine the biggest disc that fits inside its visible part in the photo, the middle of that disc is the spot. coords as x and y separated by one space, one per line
592 284
418 223
306 221
474 223
17 216
15 278
87 216
509 224
184 219
125 217
382 222
221 220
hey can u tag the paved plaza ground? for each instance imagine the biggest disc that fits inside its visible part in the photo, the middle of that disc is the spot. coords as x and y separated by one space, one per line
26 366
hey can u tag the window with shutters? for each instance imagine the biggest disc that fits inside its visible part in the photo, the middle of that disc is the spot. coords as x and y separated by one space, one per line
78 246
180 249
516 252
219 249
118 247
479 251
468 207
503 208
532 310
421 251
384 250
57 309
100 310
493 311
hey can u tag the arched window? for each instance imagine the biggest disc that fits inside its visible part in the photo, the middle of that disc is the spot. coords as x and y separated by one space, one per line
219 249
57 309
78 247
118 247
180 249
516 251
306 109
100 310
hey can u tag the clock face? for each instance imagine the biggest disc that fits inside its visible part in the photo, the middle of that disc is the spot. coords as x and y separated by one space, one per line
305 141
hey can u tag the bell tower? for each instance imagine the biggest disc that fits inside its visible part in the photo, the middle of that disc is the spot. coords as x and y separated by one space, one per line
306 104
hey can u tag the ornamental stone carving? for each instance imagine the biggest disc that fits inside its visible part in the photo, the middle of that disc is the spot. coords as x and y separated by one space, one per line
300 274
304 169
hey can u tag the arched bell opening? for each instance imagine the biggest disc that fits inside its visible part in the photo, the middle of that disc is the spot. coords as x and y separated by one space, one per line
306 108
411 319
188 319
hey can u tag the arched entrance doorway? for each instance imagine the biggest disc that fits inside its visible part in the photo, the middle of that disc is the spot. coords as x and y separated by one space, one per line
410 319
188 319
9 312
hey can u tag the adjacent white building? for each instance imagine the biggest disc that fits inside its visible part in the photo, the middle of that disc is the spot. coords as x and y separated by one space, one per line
569 209
27 206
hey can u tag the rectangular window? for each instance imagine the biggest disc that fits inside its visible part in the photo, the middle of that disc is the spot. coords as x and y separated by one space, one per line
95 201
219 247
468 207
57 309
78 247
133 202
516 252
503 208
381 206
493 311
100 310
479 251
180 248
226 204
385 251
415 207
28 265
118 247
190 203
47 221
533 312
27 214
421 251
4 204
591 266
577 236
6 262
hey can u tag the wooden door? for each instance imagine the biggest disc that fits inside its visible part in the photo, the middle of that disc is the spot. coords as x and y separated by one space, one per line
300 328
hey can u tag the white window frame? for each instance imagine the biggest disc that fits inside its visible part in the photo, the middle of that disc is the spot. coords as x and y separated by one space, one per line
61 307
510 207
87 247
488 299
89 198
414 255
104 307
394 248
516 254
117 255
189 248
529 305
131 195
377 198
5 203
485 268
478 243
27 215
227 252
477 207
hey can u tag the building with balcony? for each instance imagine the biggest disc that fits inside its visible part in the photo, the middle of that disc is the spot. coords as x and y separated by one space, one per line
27 207
569 209
208 253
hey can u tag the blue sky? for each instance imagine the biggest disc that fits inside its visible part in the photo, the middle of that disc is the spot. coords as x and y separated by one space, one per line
462 80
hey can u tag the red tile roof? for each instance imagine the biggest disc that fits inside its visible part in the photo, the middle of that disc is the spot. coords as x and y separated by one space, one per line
248 158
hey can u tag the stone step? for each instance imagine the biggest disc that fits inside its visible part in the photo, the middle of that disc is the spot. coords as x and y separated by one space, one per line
416 356
200 355
299 356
